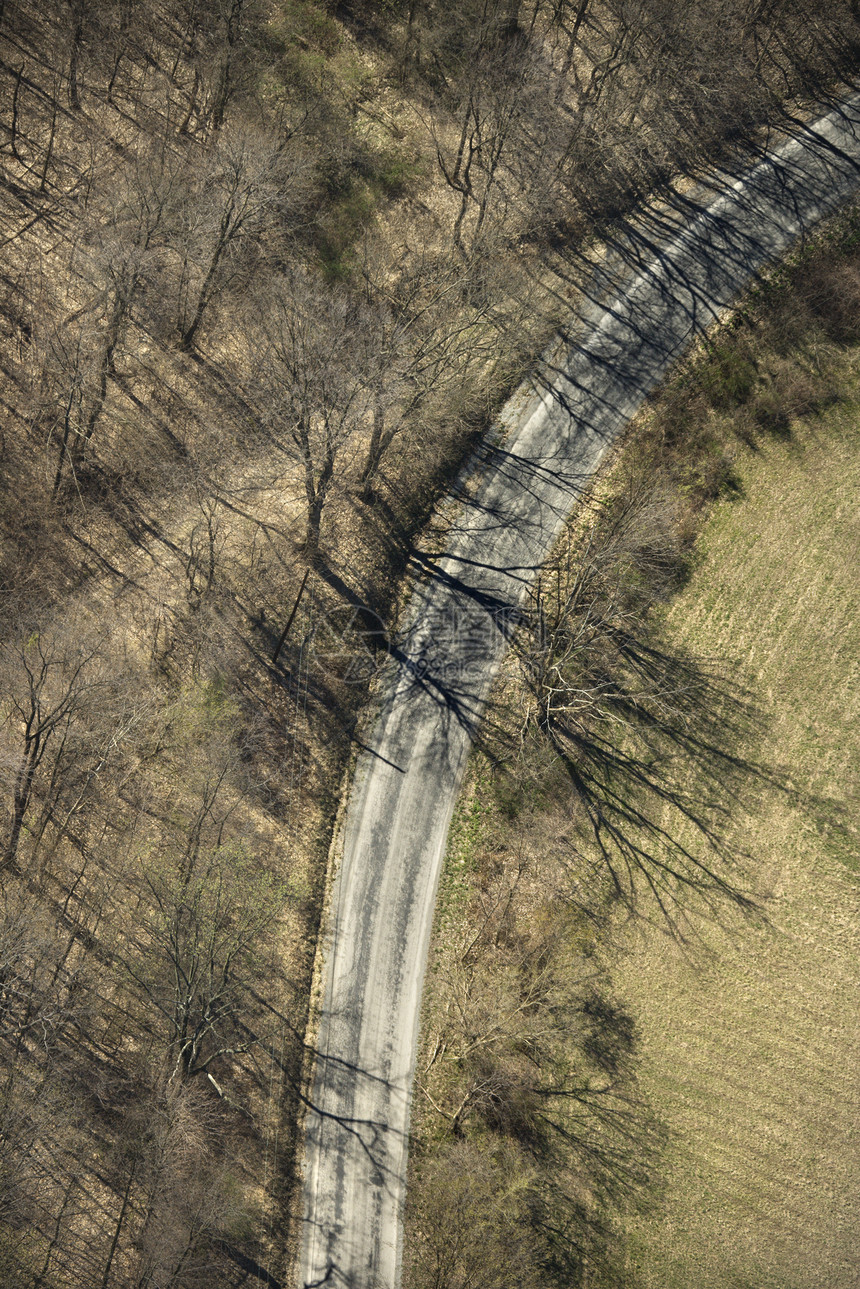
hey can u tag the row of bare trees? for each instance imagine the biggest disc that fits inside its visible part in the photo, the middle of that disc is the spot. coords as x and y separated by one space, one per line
603 782
562 115
617 776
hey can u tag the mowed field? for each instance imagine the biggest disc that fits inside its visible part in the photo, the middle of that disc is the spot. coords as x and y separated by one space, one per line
750 1039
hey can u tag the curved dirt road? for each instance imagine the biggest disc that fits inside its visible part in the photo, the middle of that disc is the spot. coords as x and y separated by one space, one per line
677 269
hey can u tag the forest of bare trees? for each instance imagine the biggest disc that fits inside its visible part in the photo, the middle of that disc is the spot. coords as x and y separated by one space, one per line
268 268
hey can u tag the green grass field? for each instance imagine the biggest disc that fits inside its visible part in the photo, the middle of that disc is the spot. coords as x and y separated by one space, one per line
750 1038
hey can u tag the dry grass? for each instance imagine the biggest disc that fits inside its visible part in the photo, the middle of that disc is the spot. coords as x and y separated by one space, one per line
750 1041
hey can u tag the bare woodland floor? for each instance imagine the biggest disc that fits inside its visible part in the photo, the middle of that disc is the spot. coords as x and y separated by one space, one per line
750 1039
269 269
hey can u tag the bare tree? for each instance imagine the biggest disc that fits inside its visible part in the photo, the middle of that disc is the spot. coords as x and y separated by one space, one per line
197 951
231 18
627 719
117 255
318 380
499 91
78 17
182 1197
247 183
429 339
48 683
470 1221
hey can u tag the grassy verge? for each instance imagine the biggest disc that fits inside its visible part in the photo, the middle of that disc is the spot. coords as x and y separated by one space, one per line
749 1044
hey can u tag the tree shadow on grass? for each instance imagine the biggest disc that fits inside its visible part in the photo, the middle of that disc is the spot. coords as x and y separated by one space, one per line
659 774
647 752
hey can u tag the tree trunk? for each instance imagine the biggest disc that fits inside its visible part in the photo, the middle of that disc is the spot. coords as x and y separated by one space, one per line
77 41
65 449
279 646
186 340
14 126
574 36
225 71
20 801
192 104
118 1227
55 1238
375 447
312 526
50 149
120 56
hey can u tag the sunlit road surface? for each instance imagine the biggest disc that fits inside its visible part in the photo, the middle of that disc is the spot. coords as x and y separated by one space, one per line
678 269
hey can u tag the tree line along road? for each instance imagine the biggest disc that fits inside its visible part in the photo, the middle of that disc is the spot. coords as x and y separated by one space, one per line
678 268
